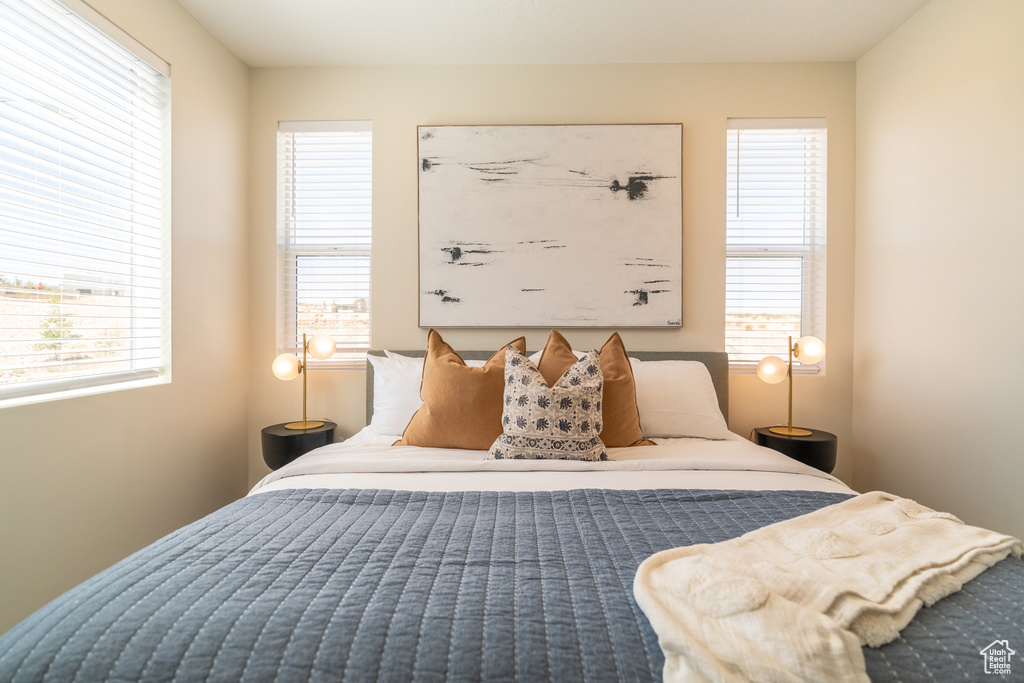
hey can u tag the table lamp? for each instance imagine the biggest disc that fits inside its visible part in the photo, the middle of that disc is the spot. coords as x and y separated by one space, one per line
772 369
288 367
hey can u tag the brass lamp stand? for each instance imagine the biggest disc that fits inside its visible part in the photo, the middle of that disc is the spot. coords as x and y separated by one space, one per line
288 367
807 350
789 429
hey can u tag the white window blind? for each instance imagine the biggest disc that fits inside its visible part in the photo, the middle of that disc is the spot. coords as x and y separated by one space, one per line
775 236
84 209
324 235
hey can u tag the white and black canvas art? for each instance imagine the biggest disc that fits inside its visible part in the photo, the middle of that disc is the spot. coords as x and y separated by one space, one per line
576 225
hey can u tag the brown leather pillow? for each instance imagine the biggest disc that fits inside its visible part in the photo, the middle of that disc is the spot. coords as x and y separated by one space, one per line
619 412
461 405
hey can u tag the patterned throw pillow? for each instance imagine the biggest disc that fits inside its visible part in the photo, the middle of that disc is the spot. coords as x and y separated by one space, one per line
561 422
621 418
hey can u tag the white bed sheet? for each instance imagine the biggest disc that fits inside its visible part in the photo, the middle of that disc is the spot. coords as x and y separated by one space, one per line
367 460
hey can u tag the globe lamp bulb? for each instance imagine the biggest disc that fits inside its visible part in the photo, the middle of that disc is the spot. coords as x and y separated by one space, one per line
809 350
772 369
286 366
321 346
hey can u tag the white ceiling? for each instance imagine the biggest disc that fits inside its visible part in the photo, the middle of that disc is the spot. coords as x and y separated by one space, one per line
432 32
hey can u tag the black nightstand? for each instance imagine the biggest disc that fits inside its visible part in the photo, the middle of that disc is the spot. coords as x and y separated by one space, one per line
817 450
281 446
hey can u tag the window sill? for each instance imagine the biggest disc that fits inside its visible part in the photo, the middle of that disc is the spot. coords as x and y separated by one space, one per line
751 369
19 395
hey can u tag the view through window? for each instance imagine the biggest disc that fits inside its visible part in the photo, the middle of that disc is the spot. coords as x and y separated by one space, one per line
324 235
83 203
775 236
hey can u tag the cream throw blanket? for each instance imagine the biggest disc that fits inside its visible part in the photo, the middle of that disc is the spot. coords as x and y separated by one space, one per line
796 600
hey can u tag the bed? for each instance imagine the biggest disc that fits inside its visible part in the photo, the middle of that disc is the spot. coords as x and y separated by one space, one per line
363 561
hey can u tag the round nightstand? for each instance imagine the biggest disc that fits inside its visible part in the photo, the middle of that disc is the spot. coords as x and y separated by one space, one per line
817 450
281 445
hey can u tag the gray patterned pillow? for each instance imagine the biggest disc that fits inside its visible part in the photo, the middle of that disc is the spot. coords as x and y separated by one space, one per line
561 422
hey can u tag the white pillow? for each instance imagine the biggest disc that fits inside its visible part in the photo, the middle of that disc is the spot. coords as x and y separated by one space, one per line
676 398
396 391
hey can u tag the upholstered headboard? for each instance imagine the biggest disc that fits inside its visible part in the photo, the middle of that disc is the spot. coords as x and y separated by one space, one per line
717 363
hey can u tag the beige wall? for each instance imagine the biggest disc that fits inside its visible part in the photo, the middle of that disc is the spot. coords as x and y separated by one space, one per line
940 272
701 97
924 402
86 481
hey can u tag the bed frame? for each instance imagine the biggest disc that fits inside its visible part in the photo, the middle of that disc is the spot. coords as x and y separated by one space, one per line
717 363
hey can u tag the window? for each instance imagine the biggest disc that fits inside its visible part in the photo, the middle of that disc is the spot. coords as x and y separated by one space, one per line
84 204
324 235
775 236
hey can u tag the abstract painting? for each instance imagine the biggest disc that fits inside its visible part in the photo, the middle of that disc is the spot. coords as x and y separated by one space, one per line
561 225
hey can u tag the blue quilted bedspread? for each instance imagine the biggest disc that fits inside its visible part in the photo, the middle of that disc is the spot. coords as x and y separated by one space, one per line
366 585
